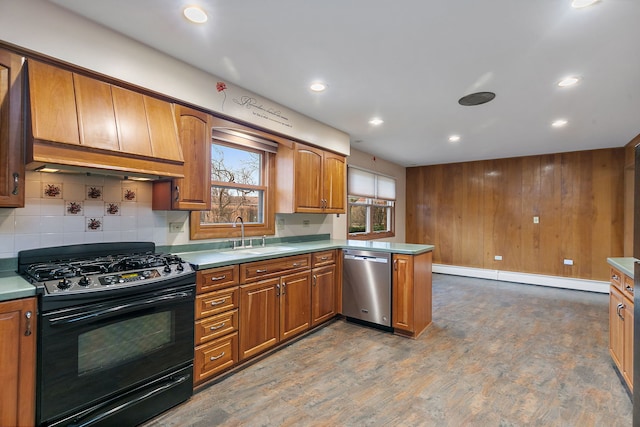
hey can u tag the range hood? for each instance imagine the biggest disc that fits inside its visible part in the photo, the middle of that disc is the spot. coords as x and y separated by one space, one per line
80 124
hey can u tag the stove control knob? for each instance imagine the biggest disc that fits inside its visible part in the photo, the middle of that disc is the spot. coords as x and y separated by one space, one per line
180 267
64 284
84 281
167 269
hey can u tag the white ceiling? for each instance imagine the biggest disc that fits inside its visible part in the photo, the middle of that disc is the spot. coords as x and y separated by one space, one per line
408 62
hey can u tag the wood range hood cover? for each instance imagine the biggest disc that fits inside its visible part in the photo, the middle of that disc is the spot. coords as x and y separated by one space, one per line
79 123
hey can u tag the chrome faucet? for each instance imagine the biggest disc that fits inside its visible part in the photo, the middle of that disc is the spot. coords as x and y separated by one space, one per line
235 222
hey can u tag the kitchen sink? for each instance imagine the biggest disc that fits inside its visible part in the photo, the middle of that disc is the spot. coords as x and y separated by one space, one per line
259 250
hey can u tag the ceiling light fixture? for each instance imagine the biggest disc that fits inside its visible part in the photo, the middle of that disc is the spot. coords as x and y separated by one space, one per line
454 138
559 123
569 81
578 4
376 121
318 86
195 15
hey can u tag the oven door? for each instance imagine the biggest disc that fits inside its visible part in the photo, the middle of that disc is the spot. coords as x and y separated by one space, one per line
91 353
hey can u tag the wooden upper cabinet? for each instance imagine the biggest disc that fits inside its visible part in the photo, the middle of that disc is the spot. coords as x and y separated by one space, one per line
162 128
310 180
116 128
53 104
193 192
131 121
96 118
11 131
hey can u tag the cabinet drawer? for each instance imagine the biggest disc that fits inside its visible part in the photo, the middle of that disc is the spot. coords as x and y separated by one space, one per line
214 357
318 259
216 326
265 269
628 286
216 302
616 278
216 278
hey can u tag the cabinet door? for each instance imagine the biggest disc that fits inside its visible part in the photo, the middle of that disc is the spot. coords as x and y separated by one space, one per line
402 294
295 303
308 179
162 129
334 186
11 138
258 317
96 119
18 356
53 104
323 294
193 192
131 121
627 363
616 327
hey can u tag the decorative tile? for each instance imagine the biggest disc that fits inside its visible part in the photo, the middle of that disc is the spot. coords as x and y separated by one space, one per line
94 192
129 193
73 208
51 190
111 209
94 224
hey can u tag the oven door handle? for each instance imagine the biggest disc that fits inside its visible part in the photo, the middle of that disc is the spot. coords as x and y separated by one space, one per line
116 309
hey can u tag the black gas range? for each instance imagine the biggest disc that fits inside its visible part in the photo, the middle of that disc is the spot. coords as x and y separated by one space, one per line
115 332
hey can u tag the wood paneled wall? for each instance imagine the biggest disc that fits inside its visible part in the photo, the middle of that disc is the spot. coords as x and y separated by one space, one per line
475 210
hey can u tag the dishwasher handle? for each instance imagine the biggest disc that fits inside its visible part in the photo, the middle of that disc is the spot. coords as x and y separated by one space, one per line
366 258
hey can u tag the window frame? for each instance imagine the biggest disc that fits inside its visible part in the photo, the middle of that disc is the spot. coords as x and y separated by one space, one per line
200 231
371 200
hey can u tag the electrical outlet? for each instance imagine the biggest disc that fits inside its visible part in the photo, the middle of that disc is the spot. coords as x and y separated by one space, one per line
498 257
568 262
536 219
175 227
306 223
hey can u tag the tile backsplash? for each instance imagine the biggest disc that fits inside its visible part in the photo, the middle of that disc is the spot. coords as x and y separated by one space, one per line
65 209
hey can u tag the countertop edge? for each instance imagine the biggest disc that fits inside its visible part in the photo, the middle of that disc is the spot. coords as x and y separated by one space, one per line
14 286
625 264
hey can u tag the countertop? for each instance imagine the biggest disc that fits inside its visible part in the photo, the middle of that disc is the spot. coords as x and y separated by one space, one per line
625 265
13 286
203 259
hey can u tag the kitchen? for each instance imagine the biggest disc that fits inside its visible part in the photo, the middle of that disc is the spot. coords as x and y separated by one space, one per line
138 216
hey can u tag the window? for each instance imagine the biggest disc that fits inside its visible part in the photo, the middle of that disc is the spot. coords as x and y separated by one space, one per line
242 184
371 205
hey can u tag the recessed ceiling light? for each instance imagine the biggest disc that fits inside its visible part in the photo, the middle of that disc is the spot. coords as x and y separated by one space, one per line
454 138
318 87
569 81
559 123
195 14
376 121
477 98
577 4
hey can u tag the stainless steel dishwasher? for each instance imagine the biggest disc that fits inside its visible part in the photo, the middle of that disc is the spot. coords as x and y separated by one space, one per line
366 287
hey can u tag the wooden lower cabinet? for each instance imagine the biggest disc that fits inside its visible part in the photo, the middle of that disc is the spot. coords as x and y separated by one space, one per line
259 317
411 293
621 324
295 304
216 322
323 294
17 362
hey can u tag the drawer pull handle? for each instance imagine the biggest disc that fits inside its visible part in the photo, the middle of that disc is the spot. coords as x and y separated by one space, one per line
629 289
215 279
28 315
296 264
218 326
16 178
212 358
261 271
214 303
324 258
615 277
315 279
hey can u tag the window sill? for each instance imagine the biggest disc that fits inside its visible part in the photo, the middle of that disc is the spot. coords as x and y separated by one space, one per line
371 236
